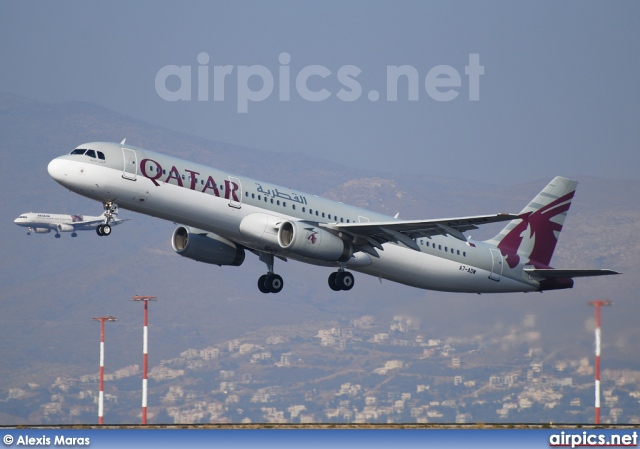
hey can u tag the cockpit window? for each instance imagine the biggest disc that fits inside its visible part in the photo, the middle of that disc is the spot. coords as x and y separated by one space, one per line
90 153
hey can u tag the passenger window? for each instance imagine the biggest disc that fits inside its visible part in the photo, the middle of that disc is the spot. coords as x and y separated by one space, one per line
90 153
101 155
311 211
322 214
464 254
304 209
284 204
440 247
293 206
277 202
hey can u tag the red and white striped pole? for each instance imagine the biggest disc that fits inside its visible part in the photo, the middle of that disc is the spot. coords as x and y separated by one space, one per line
102 319
145 352
597 305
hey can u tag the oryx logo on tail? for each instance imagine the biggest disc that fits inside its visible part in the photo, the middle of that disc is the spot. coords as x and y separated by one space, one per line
533 238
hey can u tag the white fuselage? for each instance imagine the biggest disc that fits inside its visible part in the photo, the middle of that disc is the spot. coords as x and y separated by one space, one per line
212 200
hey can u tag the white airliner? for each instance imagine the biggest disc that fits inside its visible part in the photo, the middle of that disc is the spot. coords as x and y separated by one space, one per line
45 223
223 215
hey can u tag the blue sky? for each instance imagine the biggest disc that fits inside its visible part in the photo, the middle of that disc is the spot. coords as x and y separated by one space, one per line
558 94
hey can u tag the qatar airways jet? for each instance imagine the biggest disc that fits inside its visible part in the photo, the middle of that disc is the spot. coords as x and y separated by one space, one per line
45 223
224 215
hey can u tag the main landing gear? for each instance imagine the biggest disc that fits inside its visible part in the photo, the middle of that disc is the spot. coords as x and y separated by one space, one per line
110 209
273 283
270 282
341 280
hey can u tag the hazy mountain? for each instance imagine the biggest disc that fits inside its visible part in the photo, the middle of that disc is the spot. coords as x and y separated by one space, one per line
51 288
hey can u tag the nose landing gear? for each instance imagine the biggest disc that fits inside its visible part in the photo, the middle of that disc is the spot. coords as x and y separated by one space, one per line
110 209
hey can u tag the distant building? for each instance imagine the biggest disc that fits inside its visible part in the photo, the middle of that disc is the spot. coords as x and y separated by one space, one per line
275 340
210 353
364 322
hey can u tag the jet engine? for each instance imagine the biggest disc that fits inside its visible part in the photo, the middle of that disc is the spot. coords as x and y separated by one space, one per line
307 240
65 228
41 230
206 247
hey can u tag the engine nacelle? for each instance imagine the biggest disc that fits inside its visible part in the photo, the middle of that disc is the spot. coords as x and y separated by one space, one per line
41 230
206 247
261 229
310 241
65 228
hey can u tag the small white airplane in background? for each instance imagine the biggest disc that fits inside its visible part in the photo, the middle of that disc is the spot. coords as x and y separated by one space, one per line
45 223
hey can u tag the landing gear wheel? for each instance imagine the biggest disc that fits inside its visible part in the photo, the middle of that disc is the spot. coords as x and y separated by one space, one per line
341 280
274 283
345 280
99 230
106 229
332 282
262 284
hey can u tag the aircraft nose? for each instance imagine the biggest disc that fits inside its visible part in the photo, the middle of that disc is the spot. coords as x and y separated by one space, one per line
56 169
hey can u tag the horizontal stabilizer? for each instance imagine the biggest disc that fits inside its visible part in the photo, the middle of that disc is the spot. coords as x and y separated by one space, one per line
550 273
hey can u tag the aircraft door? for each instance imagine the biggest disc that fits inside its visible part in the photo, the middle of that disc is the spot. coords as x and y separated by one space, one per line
233 191
130 164
496 265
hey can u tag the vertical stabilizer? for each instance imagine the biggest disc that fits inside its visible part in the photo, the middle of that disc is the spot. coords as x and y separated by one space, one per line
532 239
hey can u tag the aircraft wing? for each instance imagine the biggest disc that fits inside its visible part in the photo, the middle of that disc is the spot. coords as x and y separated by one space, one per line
550 273
99 220
367 235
